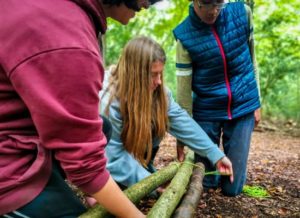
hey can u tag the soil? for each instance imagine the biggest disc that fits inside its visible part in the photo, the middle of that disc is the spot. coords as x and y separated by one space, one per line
273 164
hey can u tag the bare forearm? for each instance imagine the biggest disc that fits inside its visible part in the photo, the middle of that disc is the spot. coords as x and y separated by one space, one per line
114 200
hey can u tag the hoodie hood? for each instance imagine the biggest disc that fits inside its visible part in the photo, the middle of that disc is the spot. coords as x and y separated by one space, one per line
95 10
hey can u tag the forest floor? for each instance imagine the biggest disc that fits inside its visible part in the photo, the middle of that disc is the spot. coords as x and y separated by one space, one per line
273 164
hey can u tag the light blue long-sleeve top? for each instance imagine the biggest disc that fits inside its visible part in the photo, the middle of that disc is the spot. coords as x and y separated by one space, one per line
125 169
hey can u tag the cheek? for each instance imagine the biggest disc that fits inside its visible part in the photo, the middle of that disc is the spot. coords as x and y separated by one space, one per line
202 13
152 82
126 16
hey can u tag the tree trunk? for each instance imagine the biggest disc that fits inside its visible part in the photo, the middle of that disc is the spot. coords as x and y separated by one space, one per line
168 201
138 191
189 203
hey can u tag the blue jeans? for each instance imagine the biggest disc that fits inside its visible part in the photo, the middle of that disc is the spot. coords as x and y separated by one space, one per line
236 137
57 200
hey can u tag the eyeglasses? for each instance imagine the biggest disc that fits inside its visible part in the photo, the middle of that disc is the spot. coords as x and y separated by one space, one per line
209 6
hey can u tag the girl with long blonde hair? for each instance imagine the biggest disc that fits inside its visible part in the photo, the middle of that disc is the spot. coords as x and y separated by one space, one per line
141 110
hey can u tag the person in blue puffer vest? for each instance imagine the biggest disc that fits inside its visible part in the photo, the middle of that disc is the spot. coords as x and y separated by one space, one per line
141 110
218 82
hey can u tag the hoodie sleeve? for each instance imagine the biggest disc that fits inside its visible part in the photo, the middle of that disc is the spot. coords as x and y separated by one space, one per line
123 167
60 88
184 77
185 129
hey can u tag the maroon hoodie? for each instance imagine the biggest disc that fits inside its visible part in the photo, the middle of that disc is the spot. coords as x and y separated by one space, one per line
50 76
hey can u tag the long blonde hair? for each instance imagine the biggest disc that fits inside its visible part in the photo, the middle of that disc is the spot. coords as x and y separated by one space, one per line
144 113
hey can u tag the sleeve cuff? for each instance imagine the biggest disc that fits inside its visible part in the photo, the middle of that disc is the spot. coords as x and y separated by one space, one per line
96 184
183 72
215 155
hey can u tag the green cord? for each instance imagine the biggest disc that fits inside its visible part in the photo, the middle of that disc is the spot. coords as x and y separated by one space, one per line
251 191
216 173
208 173
255 191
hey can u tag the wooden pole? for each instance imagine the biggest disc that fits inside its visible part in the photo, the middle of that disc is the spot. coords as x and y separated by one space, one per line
190 201
168 201
138 191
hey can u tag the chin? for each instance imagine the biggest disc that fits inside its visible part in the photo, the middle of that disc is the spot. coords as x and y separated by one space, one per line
153 89
125 20
128 18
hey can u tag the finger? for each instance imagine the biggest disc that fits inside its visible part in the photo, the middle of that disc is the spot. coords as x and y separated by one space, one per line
180 157
180 153
231 174
160 190
222 170
257 122
227 171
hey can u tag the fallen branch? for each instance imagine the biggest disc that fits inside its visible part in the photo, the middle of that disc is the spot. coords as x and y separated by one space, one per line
190 201
168 201
137 191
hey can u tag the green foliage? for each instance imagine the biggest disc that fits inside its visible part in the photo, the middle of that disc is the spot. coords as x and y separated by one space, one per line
277 38
156 23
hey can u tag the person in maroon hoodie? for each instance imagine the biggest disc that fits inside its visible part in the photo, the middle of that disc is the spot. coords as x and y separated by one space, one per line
51 72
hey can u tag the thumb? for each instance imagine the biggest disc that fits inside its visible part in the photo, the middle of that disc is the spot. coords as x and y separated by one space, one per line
180 153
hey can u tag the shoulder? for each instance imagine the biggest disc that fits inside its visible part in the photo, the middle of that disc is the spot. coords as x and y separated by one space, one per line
45 26
235 12
235 7
170 99
114 115
248 10
182 27
168 92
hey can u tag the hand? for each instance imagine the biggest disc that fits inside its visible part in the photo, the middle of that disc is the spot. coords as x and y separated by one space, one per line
163 187
224 166
90 201
157 192
257 116
180 152
160 190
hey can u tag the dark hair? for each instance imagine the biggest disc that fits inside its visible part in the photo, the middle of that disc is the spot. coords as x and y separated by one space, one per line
132 4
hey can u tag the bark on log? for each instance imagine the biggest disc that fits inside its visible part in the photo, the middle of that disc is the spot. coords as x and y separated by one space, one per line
168 201
138 191
190 201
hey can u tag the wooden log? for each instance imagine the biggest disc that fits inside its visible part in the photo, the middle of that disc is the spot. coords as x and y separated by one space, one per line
190 201
138 191
168 201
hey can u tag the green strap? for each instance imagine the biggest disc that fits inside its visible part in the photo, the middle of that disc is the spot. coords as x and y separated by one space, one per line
208 172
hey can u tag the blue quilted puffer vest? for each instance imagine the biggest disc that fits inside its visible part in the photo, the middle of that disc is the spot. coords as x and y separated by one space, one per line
223 83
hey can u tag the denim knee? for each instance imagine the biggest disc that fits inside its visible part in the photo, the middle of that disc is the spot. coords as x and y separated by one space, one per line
235 188
231 191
